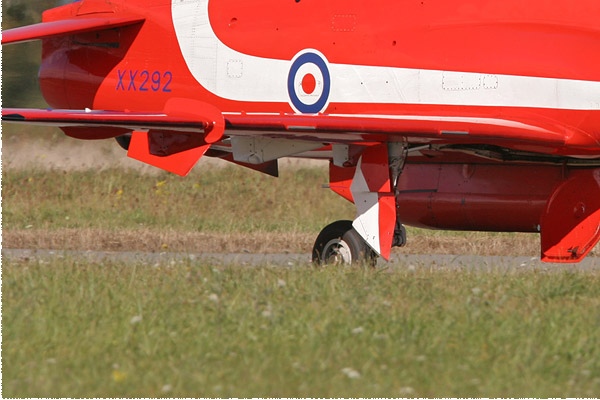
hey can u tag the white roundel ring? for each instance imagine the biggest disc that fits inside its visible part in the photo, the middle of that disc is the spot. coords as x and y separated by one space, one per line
309 82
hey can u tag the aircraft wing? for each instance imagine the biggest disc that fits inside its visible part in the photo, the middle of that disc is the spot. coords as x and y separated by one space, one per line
173 139
515 133
66 27
128 121
190 123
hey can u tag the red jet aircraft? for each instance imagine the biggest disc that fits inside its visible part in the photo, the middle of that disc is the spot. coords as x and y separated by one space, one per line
463 115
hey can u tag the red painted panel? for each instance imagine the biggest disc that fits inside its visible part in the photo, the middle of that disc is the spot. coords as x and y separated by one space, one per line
485 197
559 39
571 220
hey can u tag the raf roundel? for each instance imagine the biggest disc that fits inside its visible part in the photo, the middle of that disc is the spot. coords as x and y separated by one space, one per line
309 82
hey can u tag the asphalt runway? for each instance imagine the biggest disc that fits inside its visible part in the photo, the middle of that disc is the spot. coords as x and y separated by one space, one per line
398 261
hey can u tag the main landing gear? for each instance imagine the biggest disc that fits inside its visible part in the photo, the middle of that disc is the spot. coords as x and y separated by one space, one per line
339 244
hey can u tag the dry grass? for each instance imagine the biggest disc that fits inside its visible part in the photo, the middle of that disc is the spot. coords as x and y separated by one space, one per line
151 240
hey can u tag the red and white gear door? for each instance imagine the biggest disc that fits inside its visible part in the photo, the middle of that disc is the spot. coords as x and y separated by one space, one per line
375 200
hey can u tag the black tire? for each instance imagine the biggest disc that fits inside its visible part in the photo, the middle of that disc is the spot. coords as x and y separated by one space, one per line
339 244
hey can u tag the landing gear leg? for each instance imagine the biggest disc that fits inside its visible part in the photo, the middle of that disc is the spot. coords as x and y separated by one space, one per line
339 244
399 235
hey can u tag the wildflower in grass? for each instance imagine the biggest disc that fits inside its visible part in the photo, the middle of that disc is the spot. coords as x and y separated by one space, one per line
406 391
475 381
267 312
213 297
135 319
119 376
218 388
351 373
158 187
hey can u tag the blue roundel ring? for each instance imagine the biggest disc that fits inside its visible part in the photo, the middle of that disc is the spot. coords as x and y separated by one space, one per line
309 58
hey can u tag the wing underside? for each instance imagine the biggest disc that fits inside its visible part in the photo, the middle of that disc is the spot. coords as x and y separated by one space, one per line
254 139
329 128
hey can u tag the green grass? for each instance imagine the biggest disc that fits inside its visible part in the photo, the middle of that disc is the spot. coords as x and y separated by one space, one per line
73 329
210 199
119 208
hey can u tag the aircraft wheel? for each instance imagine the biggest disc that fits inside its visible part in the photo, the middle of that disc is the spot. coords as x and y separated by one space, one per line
339 244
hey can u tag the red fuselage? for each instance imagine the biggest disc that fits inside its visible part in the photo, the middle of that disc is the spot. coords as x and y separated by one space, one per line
141 67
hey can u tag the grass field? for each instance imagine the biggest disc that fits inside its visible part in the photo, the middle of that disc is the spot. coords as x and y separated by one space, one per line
213 199
73 328
77 330
214 209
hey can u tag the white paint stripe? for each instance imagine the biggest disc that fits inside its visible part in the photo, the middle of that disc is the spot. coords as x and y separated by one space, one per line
426 118
258 79
366 222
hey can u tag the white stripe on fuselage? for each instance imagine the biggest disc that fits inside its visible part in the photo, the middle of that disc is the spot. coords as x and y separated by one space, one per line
236 76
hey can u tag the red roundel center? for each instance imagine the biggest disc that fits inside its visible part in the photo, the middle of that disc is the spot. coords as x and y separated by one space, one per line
309 83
